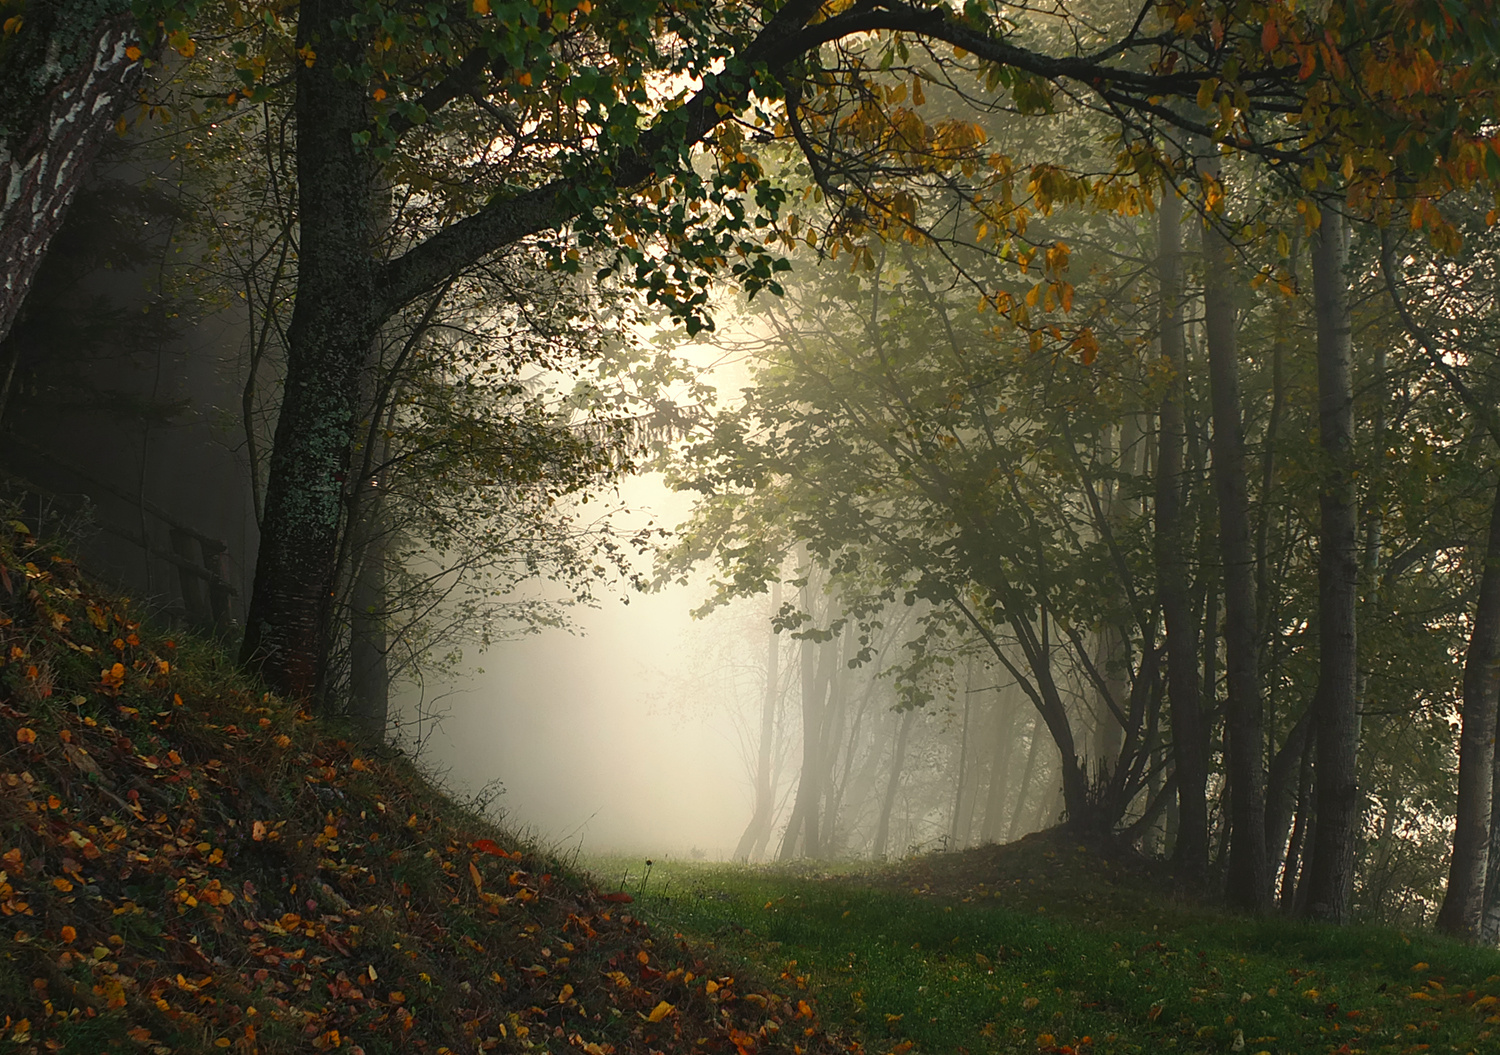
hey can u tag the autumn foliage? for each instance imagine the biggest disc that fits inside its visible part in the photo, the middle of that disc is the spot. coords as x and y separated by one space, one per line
187 864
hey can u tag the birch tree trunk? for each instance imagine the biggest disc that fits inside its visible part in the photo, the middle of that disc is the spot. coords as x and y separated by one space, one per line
46 153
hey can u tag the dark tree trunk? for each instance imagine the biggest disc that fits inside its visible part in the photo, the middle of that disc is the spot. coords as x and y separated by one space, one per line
1291 871
1331 875
1249 881
1189 740
1282 789
369 643
1464 902
765 803
333 324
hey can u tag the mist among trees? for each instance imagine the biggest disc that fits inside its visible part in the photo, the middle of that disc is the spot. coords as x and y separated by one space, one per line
1118 442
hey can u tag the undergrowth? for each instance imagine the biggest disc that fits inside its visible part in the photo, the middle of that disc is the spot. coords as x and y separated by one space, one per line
188 864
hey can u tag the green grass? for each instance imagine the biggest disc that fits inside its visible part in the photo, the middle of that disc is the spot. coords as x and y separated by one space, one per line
1095 965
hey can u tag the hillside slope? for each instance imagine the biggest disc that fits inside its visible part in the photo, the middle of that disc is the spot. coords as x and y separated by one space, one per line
190 865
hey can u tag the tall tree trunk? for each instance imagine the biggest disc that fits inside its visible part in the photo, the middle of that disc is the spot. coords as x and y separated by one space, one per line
816 673
958 823
1281 790
1024 788
835 712
1489 921
1249 882
369 643
1292 870
1464 901
1006 715
1331 877
765 796
888 804
333 324
47 152
1189 739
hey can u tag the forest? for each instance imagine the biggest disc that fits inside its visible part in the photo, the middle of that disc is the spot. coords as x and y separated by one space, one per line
1111 445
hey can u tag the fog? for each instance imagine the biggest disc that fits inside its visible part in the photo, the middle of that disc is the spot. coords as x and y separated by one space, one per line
597 736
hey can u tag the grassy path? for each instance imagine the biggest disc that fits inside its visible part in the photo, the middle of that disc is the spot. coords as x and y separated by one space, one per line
1088 964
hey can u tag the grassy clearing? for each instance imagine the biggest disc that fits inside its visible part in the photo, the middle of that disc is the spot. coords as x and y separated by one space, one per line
1105 959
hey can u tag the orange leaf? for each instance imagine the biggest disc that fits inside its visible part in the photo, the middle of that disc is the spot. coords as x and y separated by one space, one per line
1270 35
474 875
489 846
618 897
25 735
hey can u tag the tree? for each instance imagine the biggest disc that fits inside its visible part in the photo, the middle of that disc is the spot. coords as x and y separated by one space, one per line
68 72
573 93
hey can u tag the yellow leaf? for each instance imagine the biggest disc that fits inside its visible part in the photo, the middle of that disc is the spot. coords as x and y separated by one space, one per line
474 875
660 1011
566 994
13 24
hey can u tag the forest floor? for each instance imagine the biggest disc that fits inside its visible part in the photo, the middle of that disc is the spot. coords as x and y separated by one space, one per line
1048 946
188 864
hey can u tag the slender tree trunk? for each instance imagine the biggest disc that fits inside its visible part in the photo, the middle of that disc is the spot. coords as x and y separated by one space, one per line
1296 846
1464 902
817 671
1281 790
835 712
1189 739
1332 865
958 834
44 160
1249 883
333 324
1006 714
765 798
1024 788
888 805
